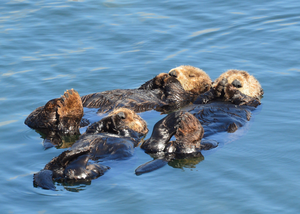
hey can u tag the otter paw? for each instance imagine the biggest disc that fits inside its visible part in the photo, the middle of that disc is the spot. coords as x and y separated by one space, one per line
159 79
220 87
169 124
231 92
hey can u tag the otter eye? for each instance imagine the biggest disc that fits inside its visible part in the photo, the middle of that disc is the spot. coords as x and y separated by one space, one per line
192 75
237 84
121 115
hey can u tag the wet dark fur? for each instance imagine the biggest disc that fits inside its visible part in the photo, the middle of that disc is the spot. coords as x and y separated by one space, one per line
226 108
219 116
61 115
188 132
162 93
106 139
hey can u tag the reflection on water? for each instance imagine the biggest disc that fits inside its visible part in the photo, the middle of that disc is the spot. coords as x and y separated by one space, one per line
72 186
189 162
60 142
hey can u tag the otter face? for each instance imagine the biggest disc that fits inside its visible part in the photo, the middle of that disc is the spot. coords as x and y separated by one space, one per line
128 118
242 81
191 78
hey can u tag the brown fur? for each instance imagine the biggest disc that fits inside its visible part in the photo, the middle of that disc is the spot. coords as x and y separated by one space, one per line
193 79
70 105
160 79
189 134
250 86
132 120
190 129
60 114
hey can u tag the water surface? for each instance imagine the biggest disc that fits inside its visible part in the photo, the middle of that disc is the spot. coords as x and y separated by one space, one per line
48 46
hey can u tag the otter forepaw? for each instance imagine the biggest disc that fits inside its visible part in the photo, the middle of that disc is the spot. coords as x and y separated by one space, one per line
231 92
178 116
220 87
159 79
252 102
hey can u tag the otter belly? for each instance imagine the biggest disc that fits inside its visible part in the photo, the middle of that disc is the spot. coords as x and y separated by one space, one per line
136 99
105 146
218 117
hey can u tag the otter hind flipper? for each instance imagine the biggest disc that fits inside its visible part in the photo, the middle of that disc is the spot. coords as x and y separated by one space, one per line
209 144
80 169
44 180
151 166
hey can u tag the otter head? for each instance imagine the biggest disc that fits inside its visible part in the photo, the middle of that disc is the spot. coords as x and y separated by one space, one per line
191 78
125 118
242 81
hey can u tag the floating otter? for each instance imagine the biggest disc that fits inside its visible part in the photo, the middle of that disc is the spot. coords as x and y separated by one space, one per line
60 115
188 133
229 104
164 92
112 138
215 116
235 86
59 120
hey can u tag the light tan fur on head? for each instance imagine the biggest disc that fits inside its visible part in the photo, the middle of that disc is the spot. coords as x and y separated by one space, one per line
132 120
192 79
250 85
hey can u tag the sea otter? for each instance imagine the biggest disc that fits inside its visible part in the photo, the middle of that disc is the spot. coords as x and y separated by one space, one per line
229 104
60 115
235 86
163 93
112 138
188 133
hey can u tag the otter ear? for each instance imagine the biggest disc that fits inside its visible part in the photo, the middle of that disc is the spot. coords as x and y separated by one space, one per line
121 115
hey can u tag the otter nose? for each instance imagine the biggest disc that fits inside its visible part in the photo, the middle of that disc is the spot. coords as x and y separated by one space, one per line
237 84
173 73
121 115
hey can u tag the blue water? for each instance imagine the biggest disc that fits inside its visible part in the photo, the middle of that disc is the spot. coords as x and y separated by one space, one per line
48 46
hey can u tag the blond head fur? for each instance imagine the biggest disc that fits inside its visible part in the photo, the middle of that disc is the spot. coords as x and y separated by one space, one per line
250 85
192 79
132 120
